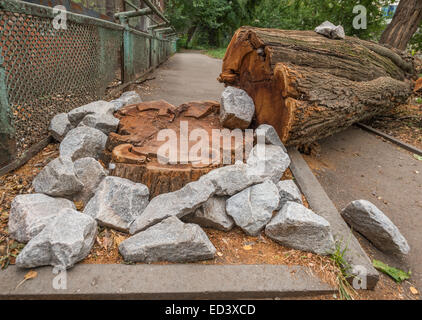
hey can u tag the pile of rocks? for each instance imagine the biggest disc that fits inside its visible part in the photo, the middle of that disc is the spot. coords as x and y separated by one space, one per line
167 228
56 233
230 196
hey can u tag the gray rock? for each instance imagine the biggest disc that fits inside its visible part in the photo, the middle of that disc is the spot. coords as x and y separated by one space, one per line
58 179
232 179
175 204
90 172
29 214
237 109
212 214
126 99
103 122
289 192
60 126
117 105
299 228
97 107
268 161
65 241
253 208
171 240
269 136
117 203
83 142
331 31
367 219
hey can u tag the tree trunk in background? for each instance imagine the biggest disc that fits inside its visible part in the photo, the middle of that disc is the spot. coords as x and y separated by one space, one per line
308 86
191 33
405 23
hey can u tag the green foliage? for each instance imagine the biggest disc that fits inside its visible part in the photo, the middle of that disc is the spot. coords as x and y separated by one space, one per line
398 275
213 22
346 291
416 42
218 53
308 14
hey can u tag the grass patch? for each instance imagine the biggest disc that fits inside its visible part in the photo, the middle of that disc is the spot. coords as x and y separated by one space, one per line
346 291
217 53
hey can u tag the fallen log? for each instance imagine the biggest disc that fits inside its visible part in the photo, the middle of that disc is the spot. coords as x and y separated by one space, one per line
308 86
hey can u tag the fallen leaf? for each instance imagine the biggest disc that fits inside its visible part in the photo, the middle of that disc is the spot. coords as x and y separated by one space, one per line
107 242
79 205
398 275
247 248
219 254
118 240
418 157
414 291
30 275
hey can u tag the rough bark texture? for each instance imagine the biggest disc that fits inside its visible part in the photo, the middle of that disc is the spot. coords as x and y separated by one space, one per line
134 149
404 24
308 87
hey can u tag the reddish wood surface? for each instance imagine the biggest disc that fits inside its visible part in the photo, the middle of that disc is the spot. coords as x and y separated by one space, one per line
134 148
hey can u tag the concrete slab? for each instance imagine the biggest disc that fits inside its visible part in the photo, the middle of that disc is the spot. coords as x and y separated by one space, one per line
165 282
323 206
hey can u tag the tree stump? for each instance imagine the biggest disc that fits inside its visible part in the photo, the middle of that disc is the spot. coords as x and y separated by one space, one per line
134 149
308 86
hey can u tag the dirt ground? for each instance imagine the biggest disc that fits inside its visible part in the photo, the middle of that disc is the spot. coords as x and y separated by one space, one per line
403 123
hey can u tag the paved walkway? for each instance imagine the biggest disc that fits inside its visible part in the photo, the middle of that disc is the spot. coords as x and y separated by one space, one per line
357 165
185 77
353 165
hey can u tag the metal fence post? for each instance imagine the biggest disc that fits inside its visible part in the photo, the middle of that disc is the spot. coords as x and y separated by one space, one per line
7 132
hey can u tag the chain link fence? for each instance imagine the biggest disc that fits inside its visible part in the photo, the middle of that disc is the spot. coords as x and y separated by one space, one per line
45 71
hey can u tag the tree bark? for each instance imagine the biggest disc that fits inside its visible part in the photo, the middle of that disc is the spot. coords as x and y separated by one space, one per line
308 87
191 33
405 23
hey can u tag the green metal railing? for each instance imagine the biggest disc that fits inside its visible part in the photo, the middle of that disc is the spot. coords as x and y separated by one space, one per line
44 71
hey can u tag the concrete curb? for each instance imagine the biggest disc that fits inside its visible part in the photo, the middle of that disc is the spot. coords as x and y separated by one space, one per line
322 205
155 282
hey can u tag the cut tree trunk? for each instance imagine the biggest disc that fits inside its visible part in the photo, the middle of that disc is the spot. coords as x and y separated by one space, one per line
405 23
308 86
135 148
